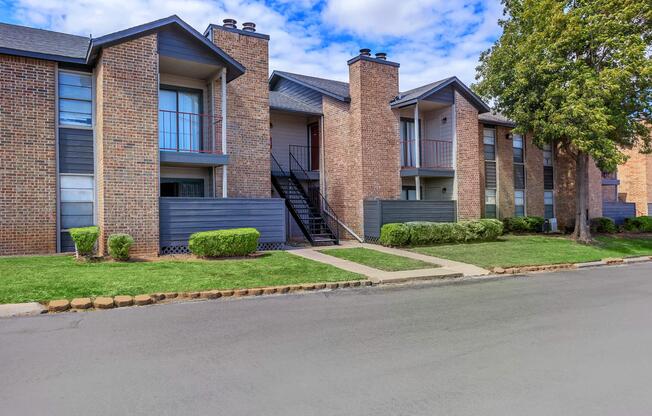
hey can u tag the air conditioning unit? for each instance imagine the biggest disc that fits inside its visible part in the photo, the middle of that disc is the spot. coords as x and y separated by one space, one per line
550 226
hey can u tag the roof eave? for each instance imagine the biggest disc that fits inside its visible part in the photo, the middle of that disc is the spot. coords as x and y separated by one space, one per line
275 75
286 110
234 68
44 56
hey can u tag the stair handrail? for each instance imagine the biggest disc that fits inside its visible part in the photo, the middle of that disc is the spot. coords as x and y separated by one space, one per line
321 203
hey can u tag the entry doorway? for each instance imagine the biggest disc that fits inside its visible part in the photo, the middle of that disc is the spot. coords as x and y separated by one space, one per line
313 131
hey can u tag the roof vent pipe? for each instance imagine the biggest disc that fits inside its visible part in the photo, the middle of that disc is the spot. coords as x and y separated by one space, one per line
381 55
365 52
230 23
249 27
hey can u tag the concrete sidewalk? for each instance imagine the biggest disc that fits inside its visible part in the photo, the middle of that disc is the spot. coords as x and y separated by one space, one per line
448 269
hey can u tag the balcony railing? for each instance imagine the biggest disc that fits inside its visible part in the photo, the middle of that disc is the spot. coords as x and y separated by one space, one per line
187 132
307 156
434 154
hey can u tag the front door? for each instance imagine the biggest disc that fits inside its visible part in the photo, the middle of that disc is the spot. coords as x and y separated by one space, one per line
314 146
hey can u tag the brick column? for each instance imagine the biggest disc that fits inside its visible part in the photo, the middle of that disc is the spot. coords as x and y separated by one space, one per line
28 174
633 177
534 178
127 148
505 168
248 145
467 172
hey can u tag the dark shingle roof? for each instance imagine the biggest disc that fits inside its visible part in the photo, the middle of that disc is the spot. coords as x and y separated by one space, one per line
336 89
496 118
284 102
415 93
35 42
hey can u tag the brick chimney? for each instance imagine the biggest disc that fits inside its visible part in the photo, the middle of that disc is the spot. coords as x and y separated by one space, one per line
247 110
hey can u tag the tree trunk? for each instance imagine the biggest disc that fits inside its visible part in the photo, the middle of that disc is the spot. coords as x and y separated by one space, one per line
582 231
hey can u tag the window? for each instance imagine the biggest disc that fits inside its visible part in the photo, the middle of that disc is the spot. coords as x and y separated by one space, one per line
489 139
408 142
75 99
518 148
548 204
547 154
519 203
409 193
490 203
182 188
180 121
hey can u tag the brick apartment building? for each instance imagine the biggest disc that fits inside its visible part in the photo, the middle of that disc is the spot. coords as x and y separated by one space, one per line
160 131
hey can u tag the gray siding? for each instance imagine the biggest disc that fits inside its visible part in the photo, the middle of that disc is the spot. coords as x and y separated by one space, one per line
180 217
618 211
299 92
176 43
75 151
445 95
378 212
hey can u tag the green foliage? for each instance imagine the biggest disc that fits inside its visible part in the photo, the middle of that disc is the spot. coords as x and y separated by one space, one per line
603 225
523 224
421 233
85 239
574 73
394 235
119 245
638 224
224 243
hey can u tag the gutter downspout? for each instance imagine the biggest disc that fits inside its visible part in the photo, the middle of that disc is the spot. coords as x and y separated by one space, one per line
224 150
417 150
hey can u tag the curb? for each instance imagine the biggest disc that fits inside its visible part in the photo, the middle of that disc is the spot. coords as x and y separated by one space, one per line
122 301
570 266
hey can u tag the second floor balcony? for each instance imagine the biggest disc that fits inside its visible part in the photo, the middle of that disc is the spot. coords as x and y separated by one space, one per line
187 138
435 158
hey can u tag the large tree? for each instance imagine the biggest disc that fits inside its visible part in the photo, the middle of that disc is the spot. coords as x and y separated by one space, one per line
576 74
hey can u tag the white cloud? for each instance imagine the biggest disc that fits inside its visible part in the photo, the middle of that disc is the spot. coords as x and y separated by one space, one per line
432 39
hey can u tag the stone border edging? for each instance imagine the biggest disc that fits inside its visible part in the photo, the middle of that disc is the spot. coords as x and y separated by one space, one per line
567 266
121 301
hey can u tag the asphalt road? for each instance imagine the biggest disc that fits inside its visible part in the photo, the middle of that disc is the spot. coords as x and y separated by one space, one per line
571 343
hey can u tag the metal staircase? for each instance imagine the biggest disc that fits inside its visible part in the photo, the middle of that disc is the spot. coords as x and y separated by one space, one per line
317 221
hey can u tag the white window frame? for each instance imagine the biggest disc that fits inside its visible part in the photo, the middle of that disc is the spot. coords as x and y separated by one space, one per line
76 126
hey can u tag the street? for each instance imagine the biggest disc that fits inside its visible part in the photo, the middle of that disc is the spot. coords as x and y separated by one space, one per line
567 343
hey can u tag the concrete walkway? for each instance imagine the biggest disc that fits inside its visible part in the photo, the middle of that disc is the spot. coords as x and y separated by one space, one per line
448 269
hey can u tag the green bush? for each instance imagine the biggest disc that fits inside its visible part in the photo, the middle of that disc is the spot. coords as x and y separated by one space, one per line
523 224
224 243
119 245
394 235
638 224
428 233
85 239
603 225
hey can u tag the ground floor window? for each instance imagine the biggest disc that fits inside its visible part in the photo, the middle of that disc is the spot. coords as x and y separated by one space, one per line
519 203
548 204
409 193
182 188
490 203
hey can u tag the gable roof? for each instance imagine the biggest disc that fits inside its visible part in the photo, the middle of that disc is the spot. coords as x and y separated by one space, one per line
496 118
336 89
62 47
412 96
234 68
44 44
284 102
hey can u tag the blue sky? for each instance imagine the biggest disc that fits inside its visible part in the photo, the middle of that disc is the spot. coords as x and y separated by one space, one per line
431 39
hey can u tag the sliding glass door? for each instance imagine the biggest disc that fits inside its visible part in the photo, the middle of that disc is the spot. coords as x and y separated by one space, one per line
180 123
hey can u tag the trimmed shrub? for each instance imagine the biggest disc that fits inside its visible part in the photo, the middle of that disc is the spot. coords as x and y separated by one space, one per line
85 239
119 245
394 235
603 225
638 224
224 243
428 233
523 224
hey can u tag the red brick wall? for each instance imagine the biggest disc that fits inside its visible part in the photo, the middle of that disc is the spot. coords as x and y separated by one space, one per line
633 176
469 160
27 156
505 160
534 178
127 143
248 130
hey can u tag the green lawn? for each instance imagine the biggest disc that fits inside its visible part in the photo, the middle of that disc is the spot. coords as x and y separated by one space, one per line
511 251
41 278
378 260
